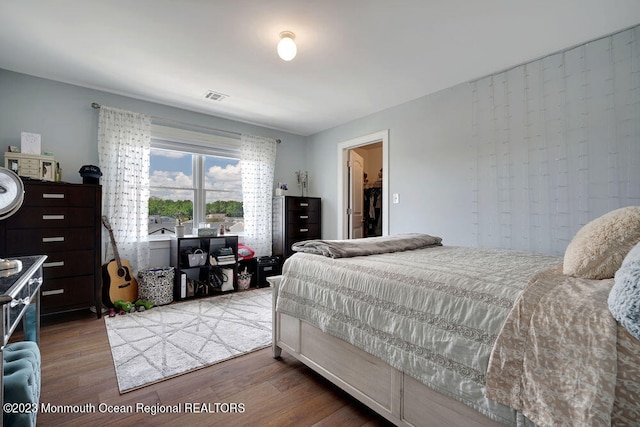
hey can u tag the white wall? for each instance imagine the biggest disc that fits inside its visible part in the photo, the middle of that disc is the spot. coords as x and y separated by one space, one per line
521 159
372 157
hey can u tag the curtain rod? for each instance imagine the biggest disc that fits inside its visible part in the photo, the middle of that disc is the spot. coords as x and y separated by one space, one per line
97 106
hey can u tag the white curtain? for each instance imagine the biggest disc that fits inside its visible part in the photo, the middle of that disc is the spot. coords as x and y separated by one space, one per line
556 143
257 162
124 140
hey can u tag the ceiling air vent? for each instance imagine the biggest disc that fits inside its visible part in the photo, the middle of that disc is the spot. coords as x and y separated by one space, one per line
215 96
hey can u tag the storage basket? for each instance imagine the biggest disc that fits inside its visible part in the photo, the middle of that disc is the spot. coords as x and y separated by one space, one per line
156 285
244 281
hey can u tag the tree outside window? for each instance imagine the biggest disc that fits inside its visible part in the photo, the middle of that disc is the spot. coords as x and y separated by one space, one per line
193 188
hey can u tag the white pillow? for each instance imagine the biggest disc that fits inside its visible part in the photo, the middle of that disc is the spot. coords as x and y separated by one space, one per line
598 249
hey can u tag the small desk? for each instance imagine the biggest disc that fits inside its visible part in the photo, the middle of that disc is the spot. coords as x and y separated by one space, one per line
17 292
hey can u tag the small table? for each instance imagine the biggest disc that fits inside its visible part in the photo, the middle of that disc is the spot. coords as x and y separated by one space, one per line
17 292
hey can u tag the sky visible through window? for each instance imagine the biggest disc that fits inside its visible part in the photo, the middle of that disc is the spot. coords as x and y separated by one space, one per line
173 169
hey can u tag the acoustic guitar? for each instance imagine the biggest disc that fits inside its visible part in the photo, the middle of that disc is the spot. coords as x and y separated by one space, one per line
117 280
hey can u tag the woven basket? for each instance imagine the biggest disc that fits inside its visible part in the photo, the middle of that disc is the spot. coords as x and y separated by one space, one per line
156 284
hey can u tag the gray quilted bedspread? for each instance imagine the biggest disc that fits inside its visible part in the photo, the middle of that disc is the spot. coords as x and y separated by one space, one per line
433 313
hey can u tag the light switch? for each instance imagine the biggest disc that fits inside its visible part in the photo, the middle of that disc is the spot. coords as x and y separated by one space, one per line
396 198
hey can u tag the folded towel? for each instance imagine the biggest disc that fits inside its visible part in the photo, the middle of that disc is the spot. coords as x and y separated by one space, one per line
367 246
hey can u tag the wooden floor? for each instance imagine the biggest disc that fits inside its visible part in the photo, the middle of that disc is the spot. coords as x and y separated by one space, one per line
77 369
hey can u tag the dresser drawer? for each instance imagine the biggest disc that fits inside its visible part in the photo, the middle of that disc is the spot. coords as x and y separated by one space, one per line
302 204
60 195
52 217
30 167
72 263
303 231
303 217
40 240
66 294
30 163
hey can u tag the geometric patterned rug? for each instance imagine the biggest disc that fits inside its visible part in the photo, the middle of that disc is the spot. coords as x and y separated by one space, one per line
170 340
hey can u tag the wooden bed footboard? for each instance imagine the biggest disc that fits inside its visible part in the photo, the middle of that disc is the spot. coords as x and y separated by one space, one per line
388 391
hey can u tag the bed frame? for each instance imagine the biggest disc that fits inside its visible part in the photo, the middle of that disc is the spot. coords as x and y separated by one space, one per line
396 396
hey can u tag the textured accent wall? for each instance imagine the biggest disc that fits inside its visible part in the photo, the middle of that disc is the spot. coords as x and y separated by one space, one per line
556 143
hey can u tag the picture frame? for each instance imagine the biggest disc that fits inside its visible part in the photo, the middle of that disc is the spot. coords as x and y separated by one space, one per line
14 165
30 143
48 170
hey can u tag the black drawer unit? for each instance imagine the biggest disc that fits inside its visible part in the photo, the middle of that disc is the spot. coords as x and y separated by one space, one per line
294 219
62 221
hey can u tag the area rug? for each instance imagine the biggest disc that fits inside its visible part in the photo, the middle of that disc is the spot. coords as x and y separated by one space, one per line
161 343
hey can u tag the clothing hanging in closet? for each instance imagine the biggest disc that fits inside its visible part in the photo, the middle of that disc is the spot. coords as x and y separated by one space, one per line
372 211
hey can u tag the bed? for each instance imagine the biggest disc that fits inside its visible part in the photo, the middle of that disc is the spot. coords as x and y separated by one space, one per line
428 334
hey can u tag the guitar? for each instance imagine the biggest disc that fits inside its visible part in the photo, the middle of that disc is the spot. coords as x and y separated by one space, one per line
117 280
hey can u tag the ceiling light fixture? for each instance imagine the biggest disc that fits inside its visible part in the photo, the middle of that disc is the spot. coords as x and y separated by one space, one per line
287 46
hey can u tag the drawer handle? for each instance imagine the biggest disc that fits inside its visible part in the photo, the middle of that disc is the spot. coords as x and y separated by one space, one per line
52 196
303 204
53 264
304 216
52 292
56 217
304 230
52 239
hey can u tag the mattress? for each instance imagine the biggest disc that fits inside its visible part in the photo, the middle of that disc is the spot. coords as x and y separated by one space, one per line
433 313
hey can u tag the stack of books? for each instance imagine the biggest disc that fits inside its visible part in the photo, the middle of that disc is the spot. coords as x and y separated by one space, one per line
224 256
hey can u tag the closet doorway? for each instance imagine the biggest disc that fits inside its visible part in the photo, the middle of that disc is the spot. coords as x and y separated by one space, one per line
364 212
363 183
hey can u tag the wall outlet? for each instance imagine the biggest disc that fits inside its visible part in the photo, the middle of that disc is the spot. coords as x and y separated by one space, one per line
396 198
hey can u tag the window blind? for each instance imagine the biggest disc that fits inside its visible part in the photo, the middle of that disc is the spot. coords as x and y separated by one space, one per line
176 139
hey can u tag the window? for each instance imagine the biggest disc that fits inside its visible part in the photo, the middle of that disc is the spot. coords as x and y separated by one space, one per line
194 177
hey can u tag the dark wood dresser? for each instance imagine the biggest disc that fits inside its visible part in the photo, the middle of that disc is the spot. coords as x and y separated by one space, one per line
294 219
63 221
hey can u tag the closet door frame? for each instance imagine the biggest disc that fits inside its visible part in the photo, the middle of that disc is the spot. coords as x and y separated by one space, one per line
343 179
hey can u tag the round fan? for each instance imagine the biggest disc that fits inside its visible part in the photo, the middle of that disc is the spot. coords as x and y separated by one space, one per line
11 193
11 197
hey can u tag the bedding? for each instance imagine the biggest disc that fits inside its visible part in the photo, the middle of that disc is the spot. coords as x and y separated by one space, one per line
626 407
433 313
368 246
556 356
